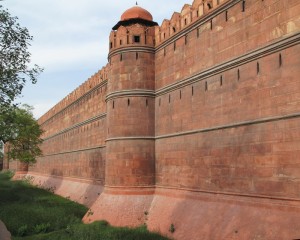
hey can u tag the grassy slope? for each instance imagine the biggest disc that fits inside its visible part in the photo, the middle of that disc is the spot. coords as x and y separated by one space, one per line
32 213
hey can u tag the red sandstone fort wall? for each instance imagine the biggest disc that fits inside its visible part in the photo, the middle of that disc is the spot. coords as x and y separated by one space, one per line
75 133
221 128
205 109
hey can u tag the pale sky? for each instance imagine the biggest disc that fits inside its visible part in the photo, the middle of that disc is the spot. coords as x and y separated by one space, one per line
71 40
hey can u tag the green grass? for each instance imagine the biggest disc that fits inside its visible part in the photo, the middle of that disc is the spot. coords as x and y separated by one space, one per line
32 213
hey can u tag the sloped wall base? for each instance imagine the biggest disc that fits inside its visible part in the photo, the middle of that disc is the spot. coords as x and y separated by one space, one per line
122 206
208 216
181 214
79 190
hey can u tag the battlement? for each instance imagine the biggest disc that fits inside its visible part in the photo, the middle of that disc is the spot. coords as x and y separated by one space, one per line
89 84
188 15
133 35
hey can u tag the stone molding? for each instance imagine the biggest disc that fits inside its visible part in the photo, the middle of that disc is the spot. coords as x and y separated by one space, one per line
103 115
131 49
233 125
130 138
131 93
74 151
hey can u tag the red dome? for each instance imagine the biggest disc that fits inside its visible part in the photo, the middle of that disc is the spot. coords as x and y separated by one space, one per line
136 12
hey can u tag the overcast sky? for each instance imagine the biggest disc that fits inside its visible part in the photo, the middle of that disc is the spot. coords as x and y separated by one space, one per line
71 40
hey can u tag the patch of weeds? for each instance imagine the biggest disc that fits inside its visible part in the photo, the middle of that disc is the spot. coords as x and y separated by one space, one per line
172 228
41 228
22 231
90 213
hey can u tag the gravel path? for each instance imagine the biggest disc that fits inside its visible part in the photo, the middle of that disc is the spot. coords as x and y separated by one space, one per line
4 234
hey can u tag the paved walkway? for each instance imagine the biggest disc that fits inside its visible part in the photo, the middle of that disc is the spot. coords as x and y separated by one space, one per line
4 234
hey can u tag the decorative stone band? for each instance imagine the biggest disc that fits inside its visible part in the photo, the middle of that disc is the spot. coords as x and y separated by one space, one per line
103 83
181 192
72 179
93 119
130 138
129 190
210 129
131 93
137 48
241 60
196 24
233 125
75 151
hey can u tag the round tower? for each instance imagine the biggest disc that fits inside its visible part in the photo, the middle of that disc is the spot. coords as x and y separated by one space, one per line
130 101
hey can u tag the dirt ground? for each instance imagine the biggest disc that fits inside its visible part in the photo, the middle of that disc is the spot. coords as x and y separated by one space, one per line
4 234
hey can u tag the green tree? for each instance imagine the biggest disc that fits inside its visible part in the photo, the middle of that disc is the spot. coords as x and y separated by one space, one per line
15 69
22 132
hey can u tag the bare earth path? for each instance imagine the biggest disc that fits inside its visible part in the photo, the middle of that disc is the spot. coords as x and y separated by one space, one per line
4 234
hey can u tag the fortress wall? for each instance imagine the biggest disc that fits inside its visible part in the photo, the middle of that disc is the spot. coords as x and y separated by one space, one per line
212 39
238 136
75 133
224 147
85 102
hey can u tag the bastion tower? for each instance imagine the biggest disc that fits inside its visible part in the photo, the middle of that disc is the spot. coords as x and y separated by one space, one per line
130 101
130 143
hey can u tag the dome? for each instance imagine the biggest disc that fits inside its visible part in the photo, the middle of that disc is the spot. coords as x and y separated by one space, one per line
136 12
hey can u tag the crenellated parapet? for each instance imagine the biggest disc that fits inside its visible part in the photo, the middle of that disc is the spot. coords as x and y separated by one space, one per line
136 35
96 79
188 15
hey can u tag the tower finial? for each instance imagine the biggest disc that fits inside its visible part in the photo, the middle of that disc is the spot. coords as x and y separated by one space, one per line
136 3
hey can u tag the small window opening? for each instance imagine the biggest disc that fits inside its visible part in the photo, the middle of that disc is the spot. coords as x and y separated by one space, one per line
211 24
164 35
110 45
198 32
169 98
209 5
113 106
238 74
121 57
205 86
185 21
136 56
197 13
257 67
136 39
280 60
226 16
192 90
128 101
120 42
185 39
243 5
221 80
174 29
180 94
